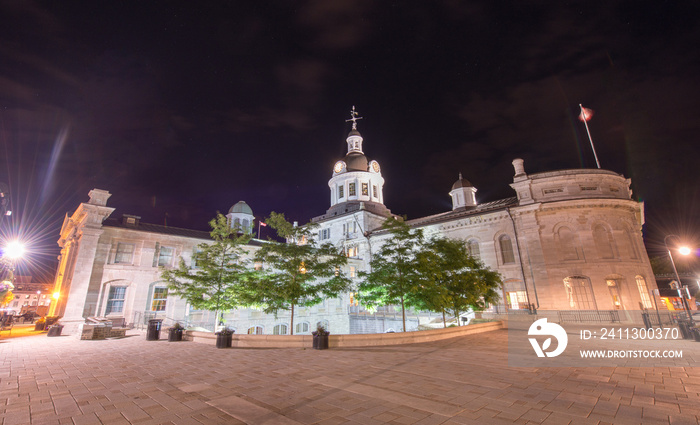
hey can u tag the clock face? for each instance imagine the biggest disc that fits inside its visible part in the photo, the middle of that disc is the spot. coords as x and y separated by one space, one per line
375 166
338 166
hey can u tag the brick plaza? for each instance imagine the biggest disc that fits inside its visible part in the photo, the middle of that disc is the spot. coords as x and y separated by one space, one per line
465 380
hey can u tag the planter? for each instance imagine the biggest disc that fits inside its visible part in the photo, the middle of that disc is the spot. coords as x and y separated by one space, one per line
223 340
320 342
175 335
55 330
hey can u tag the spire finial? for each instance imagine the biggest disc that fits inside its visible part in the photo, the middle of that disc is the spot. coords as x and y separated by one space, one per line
354 117
460 175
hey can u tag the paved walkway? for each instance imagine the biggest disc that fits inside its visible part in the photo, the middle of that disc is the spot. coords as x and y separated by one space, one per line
61 380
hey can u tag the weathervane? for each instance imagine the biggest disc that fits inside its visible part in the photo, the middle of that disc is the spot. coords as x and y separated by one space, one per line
354 117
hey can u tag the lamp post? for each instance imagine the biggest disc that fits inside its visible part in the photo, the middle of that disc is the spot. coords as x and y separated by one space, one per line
684 251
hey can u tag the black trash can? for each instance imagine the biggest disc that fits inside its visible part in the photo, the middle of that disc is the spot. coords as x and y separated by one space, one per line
55 330
696 333
684 327
153 331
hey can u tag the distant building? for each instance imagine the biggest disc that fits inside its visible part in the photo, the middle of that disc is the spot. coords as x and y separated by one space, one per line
567 240
30 296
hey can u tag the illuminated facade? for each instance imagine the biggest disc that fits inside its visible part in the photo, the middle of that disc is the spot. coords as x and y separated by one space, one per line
567 240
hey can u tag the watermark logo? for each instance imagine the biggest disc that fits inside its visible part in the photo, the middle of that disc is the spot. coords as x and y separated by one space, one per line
542 328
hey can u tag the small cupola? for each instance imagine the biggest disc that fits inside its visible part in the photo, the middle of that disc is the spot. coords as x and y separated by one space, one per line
463 194
241 215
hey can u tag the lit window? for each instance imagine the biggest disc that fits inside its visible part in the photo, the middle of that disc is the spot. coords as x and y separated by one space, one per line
643 292
506 249
279 330
125 253
351 189
580 293
165 256
365 189
258 265
374 190
341 194
160 296
352 251
115 299
353 271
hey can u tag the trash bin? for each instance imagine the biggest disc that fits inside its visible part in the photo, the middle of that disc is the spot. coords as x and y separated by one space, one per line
55 330
695 332
153 330
684 327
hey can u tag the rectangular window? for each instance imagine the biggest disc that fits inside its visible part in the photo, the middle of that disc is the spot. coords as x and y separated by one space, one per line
353 272
115 300
351 189
374 190
125 253
160 296
165 256
643 292
352 251
341 193
365 189
325 234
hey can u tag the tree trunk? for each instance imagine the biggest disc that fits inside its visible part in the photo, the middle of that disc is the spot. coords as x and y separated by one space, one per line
403 314
291 322
444 320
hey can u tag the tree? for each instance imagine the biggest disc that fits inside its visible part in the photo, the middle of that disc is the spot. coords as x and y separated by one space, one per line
452 280
392 278
218 281
298 272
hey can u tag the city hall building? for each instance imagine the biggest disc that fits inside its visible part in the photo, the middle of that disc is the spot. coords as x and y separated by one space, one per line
567 240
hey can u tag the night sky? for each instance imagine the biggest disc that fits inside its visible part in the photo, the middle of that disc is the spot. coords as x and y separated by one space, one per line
180 109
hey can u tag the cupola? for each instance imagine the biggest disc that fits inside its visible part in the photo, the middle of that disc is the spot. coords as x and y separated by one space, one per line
463 194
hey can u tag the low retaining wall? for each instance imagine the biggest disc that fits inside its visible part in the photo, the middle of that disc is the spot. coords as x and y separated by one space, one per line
360 340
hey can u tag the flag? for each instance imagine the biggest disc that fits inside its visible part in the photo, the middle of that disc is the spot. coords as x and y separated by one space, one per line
263 224
586 114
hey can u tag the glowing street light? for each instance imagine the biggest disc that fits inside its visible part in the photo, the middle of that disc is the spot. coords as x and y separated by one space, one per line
14 250
684 250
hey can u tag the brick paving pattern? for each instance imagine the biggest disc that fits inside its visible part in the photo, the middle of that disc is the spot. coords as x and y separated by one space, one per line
464 380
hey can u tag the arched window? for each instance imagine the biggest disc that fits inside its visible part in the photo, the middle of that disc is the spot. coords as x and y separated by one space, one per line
301 328
280 329
580 293
506 249
236 223
643 292
473 248
255 330
246 225
568 244
603 242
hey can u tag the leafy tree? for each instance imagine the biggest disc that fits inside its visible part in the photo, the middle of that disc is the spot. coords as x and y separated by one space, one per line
296 273
453 281
393 278
217 283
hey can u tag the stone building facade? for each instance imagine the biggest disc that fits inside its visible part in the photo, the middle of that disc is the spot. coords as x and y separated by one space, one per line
567 240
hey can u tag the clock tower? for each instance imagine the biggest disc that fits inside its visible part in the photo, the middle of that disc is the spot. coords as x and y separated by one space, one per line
356 182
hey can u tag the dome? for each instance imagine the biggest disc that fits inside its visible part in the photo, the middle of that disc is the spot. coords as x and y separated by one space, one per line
356 161
462 182
354 132
241 207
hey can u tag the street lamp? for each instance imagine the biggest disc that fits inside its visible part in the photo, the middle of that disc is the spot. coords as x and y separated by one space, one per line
685 251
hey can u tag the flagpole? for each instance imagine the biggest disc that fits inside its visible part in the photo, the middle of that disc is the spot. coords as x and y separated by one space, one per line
585 122
259 226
